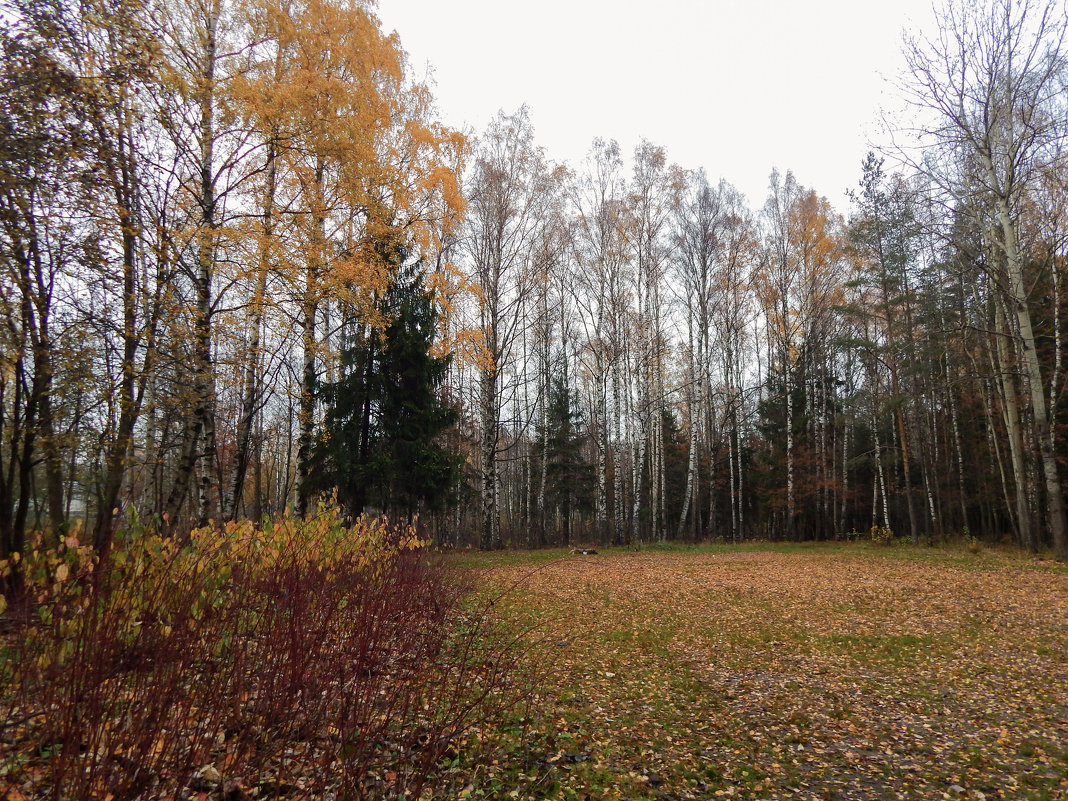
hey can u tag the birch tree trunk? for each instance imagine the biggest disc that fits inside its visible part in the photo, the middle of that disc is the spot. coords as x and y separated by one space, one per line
1011 415
1035 383
309 312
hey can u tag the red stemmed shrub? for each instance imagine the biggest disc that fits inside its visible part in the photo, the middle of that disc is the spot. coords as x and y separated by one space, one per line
299 658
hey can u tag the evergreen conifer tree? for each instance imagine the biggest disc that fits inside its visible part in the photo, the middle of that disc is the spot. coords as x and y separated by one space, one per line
379 444
569 479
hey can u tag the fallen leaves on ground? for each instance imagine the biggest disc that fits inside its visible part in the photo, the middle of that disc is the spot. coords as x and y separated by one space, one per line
822 673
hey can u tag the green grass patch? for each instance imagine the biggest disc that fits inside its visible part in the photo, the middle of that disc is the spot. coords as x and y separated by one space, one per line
898 649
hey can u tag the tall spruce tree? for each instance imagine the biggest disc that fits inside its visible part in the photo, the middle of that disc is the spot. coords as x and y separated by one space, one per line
379 443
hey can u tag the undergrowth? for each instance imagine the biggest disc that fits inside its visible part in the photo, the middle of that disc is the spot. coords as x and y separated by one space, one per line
294 659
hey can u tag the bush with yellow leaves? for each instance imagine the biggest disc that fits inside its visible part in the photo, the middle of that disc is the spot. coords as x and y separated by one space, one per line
317 653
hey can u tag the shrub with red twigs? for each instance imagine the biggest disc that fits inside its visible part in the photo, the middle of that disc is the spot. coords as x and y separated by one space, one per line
299 659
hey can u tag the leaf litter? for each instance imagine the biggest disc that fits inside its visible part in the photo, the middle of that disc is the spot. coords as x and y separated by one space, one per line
821 673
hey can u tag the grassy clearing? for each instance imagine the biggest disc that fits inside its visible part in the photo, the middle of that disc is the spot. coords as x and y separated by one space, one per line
836 671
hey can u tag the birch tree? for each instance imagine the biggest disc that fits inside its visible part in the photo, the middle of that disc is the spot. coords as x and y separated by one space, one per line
601 253
732 313
649 226
992 80
697 242
507 201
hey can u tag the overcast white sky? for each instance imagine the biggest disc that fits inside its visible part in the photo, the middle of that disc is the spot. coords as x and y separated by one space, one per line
734 86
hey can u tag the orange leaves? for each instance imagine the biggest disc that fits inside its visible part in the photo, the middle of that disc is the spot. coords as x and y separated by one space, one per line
800 281
359 152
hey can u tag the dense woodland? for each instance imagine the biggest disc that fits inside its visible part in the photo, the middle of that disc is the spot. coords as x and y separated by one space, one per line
243 264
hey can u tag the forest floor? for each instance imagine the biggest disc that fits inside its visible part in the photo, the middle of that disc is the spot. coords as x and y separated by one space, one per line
844 672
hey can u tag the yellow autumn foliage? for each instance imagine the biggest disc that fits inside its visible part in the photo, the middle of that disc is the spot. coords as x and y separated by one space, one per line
323 541
158 577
